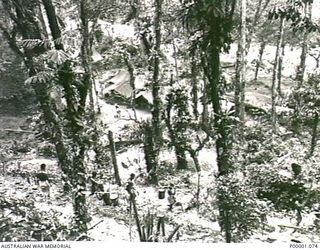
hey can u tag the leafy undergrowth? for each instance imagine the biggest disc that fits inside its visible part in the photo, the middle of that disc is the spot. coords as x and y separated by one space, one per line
24 203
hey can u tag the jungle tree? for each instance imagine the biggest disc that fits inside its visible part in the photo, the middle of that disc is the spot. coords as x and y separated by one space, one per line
210 24
50 69
306 5
177 121
291 13
275 75
241 65
148 29
310 106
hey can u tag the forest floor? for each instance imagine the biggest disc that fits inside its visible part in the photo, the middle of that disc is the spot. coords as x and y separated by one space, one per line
198 224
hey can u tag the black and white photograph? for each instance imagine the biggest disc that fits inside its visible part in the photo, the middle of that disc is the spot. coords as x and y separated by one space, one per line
159 121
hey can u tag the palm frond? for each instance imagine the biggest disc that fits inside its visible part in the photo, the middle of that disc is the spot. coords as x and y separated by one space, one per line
40 77
32 43
57 56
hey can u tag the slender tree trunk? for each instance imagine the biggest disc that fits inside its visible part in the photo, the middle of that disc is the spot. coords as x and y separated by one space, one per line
241 66
57 131
136 216
86 55
194 156
221 127
79 188
223 142
194 90
302 66
48 106
314 133
148 145
175 56
255 21
258 13
304 47
43 23
157 103
274 94
114 158
281 56
181 157
174 130
259 61
53 23
71 158
205 101
75 109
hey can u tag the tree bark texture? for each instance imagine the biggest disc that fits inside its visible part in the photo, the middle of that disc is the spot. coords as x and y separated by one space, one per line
274 94
178 128
218 28
114 158
241 65
53 23
314 133
281 56
223 142
195 88
157 103
304 47
261 7
259 61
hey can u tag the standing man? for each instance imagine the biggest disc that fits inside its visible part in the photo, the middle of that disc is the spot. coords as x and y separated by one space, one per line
43 180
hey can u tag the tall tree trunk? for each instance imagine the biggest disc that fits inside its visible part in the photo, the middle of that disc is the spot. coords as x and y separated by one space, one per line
148 151
43 23
178 143
75 110
217 29
257 15
259 61
205 100
255 21
71 158
50 116
241 66
86 55
281 56
53 23
314 133
181 157
48 106
223 142
157 103
274 94
114 158
304 48
194 90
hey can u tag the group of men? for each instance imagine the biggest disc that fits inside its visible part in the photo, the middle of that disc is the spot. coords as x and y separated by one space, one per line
42 180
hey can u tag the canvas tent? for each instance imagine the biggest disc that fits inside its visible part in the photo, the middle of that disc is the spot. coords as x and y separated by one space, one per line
120 90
